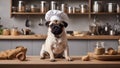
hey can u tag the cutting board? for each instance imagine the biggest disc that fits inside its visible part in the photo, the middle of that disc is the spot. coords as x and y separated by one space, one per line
105 57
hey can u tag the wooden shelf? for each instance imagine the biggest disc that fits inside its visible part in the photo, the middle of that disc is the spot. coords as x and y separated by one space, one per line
38 13
27 37
24 13
77 13
103 13
96 37
40 37
32 13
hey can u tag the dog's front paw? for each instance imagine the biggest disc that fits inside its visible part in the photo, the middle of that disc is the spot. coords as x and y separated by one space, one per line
42 57
52 60
69 59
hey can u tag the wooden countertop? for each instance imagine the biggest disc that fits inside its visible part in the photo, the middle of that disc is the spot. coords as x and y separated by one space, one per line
33 60
86 37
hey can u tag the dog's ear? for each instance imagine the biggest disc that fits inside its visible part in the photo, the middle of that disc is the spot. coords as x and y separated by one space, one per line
47 23
65 24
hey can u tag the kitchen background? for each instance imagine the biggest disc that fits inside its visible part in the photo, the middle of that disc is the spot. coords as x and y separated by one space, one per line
77 23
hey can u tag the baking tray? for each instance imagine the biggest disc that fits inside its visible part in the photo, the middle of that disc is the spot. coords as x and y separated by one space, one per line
105 57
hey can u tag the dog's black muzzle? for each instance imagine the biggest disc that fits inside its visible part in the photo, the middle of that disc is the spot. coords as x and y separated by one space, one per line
56 29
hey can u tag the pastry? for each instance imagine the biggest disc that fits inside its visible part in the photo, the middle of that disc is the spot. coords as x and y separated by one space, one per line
11 54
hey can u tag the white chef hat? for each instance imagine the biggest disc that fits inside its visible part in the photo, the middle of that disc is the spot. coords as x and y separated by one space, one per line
56 15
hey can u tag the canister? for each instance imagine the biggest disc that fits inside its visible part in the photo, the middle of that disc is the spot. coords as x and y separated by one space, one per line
99 50
53 5
74 9
21 6
112 7
14 9
83 8
33 8
112 32
6 31
14 31
70 9
43 7
64 7
118 8
97 6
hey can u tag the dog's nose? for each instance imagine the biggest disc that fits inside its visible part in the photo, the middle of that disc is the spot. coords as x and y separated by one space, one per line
56 27
56 30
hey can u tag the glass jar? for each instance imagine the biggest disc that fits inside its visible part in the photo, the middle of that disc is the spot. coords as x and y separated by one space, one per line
27 8
97 6
43 8
116 26
83 8
14 31
99 50
6 31
74 9
112 7
33 8
70 9
53 5
64 7
92 27
118 8
107 29
14 9
21 6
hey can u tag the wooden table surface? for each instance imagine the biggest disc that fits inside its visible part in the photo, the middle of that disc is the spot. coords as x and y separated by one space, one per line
36 60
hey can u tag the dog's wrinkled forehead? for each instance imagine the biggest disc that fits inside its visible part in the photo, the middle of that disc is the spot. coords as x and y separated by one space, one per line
55 22
56 19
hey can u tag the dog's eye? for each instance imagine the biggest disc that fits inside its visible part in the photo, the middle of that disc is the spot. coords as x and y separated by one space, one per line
51 25
61 25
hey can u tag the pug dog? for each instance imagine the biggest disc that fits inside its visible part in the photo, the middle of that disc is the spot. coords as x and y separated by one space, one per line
55 45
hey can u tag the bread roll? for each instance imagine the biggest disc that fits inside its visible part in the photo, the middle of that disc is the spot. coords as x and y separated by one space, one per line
112 52
85 58
110 49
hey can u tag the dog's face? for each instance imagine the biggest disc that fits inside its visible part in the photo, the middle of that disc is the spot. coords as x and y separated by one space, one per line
56 26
